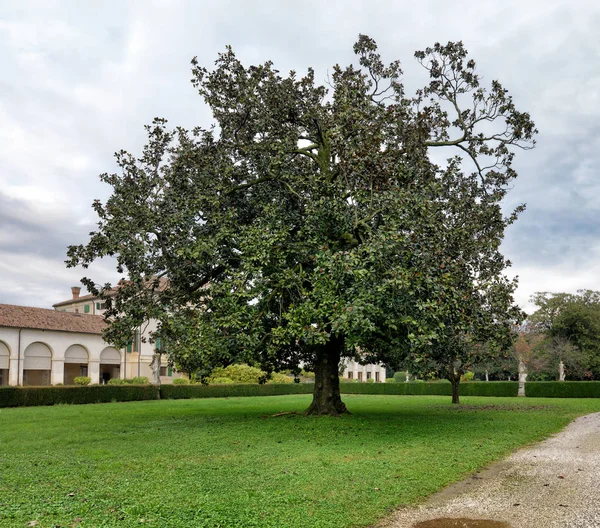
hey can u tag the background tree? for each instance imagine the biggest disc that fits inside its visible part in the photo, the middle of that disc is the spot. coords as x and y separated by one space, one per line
307 222
576 319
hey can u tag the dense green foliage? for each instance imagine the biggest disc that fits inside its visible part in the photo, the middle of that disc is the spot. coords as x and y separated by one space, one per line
231 390
33 396
569 319
240 373
229 463
82 380
497 388
307 222
563 389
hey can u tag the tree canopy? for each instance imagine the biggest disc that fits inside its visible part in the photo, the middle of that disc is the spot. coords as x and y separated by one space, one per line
574 317
308 222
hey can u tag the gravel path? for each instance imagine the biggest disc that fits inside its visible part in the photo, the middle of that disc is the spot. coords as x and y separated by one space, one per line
554 484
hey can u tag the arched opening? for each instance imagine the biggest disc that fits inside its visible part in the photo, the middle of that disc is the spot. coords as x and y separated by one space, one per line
37 364
76 363
4 363
110 364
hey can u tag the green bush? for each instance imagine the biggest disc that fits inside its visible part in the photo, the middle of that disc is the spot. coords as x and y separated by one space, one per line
119 381
467 376
220 381
237 373
32 396
82 380
140 380
562 389
390 380
370 380
276 377
400 377
181 381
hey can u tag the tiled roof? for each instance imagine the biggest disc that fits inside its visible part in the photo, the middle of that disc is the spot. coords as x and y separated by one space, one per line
42 319
79 299
163 284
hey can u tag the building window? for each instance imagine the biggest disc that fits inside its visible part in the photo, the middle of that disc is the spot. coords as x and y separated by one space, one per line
376 376
369 375
163 371
135 344
83 370
86 308
100 306
350 375
360 376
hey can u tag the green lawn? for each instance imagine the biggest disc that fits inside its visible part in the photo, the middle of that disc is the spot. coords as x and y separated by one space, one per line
228 463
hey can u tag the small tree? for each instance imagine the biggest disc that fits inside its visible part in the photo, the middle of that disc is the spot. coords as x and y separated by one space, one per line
305 223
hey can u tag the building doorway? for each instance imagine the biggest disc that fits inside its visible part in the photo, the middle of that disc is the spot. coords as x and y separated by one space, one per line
37 364
110 364
4 363
76 363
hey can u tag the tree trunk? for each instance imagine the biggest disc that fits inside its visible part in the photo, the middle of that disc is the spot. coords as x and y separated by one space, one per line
455 383
561 371
326 396
155 368
454 379
522 378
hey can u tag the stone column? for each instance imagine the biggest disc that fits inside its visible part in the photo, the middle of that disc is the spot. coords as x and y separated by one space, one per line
355 370
522 378
13 371
57 374
94 371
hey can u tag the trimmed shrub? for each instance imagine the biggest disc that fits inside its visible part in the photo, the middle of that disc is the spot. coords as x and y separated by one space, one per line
31 396
400 377
82 380
140 380
390 380
181 381
370 380
224 391
436 388
562 389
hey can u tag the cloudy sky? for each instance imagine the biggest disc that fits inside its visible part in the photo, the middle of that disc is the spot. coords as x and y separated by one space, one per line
80 79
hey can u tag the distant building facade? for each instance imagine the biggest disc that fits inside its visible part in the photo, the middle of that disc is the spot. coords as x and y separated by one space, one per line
48 347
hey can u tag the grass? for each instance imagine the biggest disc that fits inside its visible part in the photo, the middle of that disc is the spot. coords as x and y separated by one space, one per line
228 463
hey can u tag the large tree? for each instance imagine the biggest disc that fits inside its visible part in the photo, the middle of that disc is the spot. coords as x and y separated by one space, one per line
309 222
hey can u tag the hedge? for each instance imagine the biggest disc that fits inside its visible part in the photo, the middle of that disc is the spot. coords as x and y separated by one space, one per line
223 391
562 389
437 388
30 396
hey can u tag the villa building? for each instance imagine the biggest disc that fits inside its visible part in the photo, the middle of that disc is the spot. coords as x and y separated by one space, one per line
47 347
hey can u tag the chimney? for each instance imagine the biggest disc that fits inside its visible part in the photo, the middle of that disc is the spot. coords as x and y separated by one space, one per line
75 290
